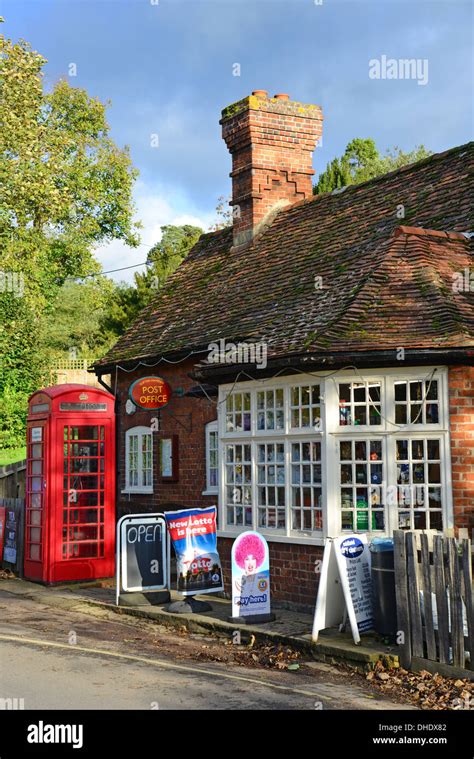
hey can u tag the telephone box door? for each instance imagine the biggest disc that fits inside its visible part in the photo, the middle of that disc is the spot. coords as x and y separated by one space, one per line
85 515
36 536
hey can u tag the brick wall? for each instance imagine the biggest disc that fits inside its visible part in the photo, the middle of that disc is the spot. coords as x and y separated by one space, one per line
184 417
271 141
294 580
461 411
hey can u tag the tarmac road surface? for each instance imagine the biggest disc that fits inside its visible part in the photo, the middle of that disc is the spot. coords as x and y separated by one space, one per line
64 659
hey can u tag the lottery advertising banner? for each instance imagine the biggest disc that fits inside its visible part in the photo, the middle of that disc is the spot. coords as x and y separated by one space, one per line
353 559
250 575
194 536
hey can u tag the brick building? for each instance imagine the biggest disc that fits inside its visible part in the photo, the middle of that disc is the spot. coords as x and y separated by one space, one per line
320 353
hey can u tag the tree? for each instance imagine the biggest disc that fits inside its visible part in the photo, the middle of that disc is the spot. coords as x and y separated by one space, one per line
361 161
165 257
121 310
125 301
224 214
65 187
75 325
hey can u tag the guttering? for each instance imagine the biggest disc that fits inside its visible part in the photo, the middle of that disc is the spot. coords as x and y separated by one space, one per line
323 361
146 362
104 384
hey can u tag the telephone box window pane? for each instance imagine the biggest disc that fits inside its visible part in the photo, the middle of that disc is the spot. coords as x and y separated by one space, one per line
92 449
36 467
83 516
35 534
84 482
35 501
84 465
35 552
36 484
86 433
81 533
36 451
35 517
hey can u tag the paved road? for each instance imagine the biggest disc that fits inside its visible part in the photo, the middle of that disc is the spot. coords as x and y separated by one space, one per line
67 659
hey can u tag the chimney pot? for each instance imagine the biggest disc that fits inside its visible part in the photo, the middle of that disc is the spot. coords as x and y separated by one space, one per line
282 96
260 93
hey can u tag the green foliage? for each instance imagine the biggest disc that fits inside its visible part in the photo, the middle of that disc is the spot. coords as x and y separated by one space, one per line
12 455
76 319
65 187
121 309
125 302
13 404
361 161
164 258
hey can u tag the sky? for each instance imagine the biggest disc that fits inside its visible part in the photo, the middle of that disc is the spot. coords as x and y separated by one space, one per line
168 68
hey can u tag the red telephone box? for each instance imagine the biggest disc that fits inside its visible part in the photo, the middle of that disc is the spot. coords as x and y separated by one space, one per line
70 485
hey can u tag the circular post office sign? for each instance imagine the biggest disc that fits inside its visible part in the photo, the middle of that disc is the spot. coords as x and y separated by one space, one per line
150 393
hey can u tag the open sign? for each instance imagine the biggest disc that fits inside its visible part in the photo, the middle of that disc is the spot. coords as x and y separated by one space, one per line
150 393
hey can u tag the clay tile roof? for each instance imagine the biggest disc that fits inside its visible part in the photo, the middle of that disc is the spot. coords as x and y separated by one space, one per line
370 268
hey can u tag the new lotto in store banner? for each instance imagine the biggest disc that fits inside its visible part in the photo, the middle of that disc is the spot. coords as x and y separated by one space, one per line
194 536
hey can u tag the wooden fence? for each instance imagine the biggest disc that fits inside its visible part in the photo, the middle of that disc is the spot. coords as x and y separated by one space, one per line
433 585
12 480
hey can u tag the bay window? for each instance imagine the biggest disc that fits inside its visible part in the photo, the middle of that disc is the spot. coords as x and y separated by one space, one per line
313 456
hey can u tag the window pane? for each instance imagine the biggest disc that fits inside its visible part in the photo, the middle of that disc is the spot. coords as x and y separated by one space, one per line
417 479
361 494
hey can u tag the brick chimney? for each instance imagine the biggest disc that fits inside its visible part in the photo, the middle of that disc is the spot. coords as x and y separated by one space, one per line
271 141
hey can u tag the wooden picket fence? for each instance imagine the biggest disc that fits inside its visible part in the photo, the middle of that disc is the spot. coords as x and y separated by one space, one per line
442 633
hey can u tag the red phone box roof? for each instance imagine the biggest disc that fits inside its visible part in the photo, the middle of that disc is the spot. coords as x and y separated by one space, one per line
70 398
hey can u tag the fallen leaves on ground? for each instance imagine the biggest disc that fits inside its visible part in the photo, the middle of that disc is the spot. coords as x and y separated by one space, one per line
423 689
6 574
268 656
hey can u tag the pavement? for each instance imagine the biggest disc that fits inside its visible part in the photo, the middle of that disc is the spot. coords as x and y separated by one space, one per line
290 628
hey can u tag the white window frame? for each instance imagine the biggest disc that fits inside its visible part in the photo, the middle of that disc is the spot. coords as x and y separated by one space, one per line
329 434
139 432
211 427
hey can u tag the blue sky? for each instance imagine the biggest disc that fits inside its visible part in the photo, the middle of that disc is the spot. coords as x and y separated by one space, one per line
168 69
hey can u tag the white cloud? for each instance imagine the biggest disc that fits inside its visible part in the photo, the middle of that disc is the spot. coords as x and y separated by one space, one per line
154 208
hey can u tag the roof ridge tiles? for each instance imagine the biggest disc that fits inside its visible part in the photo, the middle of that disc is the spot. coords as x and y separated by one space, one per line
374 180
422 231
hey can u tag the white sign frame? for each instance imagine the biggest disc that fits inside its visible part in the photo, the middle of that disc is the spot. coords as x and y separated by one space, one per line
334 594
121 554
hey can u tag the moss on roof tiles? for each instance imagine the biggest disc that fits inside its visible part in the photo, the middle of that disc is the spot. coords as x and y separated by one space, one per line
267 287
